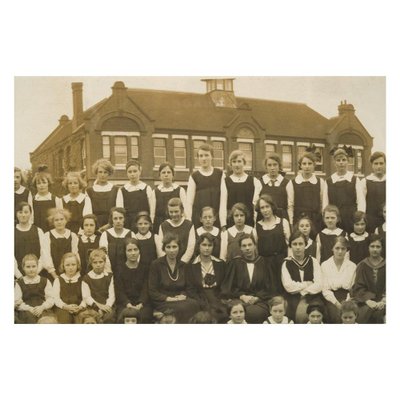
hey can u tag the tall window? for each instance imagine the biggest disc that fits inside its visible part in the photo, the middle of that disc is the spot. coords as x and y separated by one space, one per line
219 159
180 153
134 147
300 151
120 150
247 149
287 158
106 147
356 163
270 148
196 145
160 151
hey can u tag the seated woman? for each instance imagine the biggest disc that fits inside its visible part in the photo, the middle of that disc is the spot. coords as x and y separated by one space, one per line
301 279
168 282
205 276
131 284
250 280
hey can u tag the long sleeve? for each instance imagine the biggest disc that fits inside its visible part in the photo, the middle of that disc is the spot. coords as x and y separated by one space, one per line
59 203
151 198
361 288
182 196
318 241
111 294
47 262
158 241
17 272
18 301
316 286
324 195
286 230
224 245
119 202
87 207
74 243
257 190
56 293
288 283
30 202
103 240
187 255
363 192
290 199
154 282
361 203
190 194
223 202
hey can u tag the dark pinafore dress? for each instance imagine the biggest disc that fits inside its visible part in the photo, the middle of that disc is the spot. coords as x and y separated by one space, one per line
84 250
358 249
40 210
76 210
33 294
217 242
279 195
162 199
376 197
116 249
182 231
26 242
327 242
102 202
134 202
18 198
148 252
58 247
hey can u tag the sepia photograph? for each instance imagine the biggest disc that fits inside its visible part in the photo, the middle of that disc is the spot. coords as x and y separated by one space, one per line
213 200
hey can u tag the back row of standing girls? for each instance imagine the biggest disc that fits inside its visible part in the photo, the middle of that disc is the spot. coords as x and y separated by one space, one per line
305 195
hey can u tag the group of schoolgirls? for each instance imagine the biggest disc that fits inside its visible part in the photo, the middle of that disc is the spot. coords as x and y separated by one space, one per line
57 232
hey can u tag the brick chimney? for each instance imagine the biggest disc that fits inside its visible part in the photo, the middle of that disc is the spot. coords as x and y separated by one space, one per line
345 108
77 104
63 120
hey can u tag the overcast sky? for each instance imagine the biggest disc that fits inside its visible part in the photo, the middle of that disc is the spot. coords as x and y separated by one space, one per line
40 101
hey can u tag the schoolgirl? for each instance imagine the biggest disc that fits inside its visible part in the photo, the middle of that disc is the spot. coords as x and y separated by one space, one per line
21 192
33 294
277 308
241 188
275 185
206 187
165 191
76 202
315 313
179 226
237 313
44 200
306 227
67 290
359 238
344 188
135 196
103 194
146 239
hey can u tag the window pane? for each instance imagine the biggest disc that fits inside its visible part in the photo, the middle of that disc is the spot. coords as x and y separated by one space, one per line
319 165
218 154
106 147
287 158
270 148
134 147
247 149
180 153
160 151
300 151
359 162
196 145
120 150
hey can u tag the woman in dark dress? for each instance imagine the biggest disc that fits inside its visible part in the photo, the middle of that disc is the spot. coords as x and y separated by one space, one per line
168 282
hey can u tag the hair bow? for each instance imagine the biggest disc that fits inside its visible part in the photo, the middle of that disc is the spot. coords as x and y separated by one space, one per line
349 150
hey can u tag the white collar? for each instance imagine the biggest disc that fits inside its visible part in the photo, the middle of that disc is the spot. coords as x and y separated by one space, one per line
20 190
57 235
198 259
131 188
74 279
102 188
112 232
309 243
233 231
39 197
284 321
162 188
299 179
335 232
230 322
348 176
359 238
92 274
237 179
277 221
204 173
139 236
81 197
19 227
34 280
178 224
266 179
85 238
374 178
201 230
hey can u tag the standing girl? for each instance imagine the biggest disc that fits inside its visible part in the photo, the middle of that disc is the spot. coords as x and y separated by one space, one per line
359 238
374 191
241 188
326 237
59 240
205 275
67 289
103 194
338 275
43 200
179 226
230 238
307 193
207 220
88 241
76 202
131 287
165 191
146 239
168 282
273 235
344 188
369 289
21 193
33 293
275 185
301 278
135 196
113 239
206 187
29 239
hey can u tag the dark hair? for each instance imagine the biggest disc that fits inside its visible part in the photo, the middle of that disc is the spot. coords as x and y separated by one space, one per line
315 307
334 209
202 317
131 240
20 206
310 221
175 202
240 207
170 237
90 216
374 237
234 303
349 306
376 155
205 147
143 214
128 313
295 235
165 165
273 156
206 235
277 300
359 216
246 236
131 162
268 199
120 210
310 156
341 240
